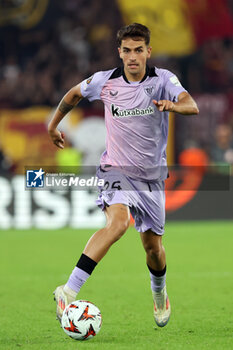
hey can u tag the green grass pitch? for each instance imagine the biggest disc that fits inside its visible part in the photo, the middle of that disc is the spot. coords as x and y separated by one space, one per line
199 283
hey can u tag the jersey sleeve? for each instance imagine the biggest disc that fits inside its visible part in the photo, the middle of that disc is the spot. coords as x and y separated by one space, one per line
172 86
91 88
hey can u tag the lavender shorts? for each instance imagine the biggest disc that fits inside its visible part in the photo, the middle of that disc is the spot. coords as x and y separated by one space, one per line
146 200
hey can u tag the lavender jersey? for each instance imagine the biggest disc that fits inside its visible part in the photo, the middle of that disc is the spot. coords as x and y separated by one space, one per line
136 131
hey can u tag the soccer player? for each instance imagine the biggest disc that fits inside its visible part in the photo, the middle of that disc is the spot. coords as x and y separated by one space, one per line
137 100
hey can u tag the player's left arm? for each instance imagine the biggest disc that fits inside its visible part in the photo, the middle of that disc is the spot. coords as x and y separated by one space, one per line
185 105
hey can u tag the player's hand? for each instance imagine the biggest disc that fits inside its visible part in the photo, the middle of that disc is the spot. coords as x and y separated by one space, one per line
57 138
164 105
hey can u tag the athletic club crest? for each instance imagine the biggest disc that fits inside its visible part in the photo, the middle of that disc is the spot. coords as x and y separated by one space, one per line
110 195
149 90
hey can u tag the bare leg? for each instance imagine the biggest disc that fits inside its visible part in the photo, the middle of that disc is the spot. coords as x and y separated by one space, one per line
155 252
118 217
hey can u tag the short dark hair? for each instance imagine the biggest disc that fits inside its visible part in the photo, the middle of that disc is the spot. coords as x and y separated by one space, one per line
134 31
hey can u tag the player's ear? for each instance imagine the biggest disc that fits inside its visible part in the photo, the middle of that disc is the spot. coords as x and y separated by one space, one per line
149 49
120 52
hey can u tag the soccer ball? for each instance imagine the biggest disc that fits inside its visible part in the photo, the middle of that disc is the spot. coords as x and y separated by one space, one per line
81 320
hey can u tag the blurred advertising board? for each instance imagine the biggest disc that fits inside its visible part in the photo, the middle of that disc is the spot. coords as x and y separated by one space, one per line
53 209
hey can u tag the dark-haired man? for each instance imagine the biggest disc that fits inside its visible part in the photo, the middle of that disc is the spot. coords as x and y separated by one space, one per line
137 100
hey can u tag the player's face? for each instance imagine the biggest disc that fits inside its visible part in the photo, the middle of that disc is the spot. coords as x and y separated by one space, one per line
134 54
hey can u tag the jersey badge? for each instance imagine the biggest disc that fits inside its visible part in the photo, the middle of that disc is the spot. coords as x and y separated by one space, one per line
149 90
175 81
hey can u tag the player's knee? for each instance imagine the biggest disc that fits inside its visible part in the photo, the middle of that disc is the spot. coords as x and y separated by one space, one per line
153 250
117 228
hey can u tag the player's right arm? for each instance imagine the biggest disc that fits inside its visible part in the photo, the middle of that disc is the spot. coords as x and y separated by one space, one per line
67 103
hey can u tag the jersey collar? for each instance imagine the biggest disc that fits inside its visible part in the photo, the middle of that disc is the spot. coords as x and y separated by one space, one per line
150 72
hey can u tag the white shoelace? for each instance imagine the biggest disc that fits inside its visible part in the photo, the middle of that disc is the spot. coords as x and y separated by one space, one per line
159 298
